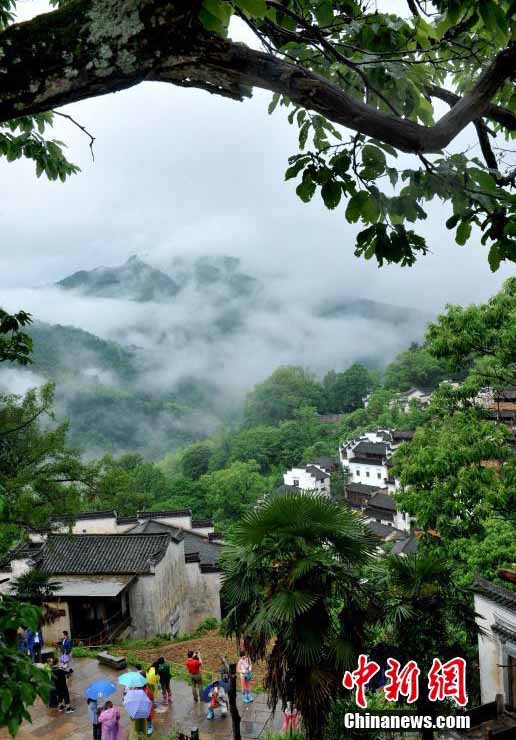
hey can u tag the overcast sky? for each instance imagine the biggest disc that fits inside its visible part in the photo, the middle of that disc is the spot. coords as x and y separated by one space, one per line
180 172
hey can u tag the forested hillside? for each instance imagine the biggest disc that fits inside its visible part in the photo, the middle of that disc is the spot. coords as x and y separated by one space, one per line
169 354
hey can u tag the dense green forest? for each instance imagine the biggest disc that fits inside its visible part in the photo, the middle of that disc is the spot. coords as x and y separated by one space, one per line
222 476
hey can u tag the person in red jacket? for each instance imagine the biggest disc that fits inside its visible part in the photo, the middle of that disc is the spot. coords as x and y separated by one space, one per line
193 665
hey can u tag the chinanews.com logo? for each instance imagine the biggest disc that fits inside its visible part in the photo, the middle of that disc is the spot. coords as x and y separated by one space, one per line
444 681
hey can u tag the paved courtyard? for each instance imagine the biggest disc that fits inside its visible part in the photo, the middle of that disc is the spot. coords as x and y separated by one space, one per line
182 715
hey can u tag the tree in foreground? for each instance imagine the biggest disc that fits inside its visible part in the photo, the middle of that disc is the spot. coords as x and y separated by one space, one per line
21 682
292 588
425 615
359 82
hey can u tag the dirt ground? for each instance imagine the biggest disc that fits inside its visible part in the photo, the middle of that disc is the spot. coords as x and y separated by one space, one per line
211 646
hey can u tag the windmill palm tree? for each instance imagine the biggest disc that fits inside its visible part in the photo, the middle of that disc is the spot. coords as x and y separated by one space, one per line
426 614
292 588
36 588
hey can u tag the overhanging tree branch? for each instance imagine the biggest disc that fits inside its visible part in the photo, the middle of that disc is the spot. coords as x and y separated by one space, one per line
89 48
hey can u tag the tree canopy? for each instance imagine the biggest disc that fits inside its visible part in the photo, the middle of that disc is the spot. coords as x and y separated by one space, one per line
361 84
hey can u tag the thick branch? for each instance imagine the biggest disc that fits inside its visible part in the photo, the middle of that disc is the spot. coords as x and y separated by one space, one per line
89 48
495 113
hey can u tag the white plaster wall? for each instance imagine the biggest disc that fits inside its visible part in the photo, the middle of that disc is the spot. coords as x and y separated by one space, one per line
490 651
402 521
306 481
102 525
157 597
358 473
203 594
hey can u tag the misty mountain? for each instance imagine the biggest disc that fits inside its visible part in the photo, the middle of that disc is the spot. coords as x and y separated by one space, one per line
373 310
101 389
135 280
154 357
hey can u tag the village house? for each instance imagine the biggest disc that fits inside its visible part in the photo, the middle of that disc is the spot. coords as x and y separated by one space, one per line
312 477
495 607
156 573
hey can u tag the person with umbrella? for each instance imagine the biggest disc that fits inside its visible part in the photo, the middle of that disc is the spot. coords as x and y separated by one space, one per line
95 693
109 720
140 709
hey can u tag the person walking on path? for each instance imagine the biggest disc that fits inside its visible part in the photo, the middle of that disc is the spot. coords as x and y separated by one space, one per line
65 647
153 682
38 645
245 671
109 720
93 716
60 676
193 665
164 674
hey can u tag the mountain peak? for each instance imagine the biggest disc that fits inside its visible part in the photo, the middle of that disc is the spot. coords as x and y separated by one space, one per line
135 280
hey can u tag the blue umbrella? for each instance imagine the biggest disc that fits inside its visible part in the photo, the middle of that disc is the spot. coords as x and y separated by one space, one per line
132 680
206 692
137 704
100 690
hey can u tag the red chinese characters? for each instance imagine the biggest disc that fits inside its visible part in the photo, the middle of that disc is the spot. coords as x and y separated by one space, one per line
448 681
404 682
360 678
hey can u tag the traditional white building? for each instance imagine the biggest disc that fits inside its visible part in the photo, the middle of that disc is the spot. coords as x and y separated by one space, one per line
308 478
495 607
156 573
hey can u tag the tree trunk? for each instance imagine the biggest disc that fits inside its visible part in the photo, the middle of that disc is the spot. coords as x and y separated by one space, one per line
232 696
89 48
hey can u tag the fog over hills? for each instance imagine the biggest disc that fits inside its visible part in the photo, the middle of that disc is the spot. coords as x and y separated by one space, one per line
147 357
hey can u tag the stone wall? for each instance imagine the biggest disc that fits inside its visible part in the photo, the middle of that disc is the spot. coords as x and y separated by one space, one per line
157 601
203 595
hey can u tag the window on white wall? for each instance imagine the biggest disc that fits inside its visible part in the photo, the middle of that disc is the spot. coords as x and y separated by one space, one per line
367 473
378 475
296 481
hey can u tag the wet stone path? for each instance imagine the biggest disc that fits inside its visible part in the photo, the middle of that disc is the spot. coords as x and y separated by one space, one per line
183 715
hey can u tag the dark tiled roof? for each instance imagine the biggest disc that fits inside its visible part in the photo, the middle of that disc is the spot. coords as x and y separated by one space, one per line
208 551
102 554
157 514
362 488
509 394
192 557
196 523
24 551
106 514
150 526
406 547
215 536
383 530
365 461
210 568
326 462
371 448
374 513
382 501
399 435
316 473
494 592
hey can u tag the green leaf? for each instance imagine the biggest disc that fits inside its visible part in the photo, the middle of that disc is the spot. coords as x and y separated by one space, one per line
463 233
370 209
324 13
374 162
256 8
331 193
355 205
494 257
218 8
295 169
274 102
306 189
